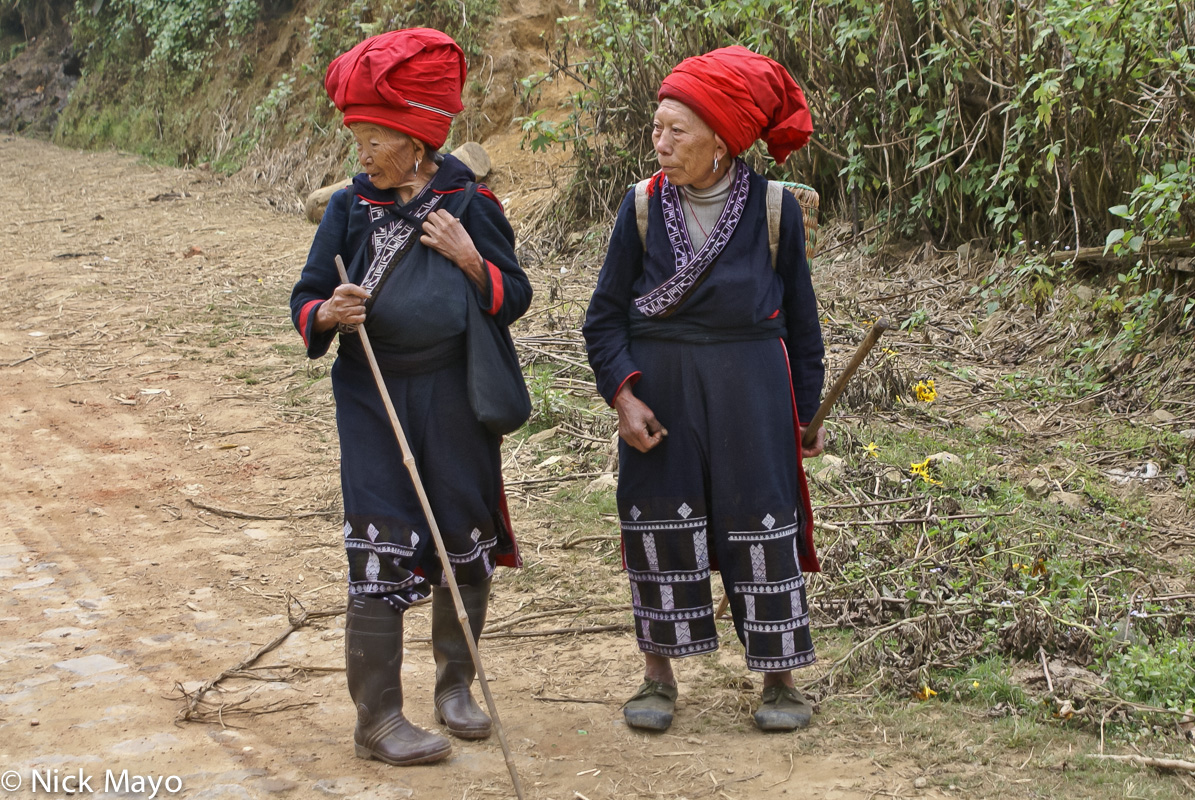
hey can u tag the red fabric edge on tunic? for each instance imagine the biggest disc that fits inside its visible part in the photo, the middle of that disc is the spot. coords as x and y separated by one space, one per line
808 560
514 559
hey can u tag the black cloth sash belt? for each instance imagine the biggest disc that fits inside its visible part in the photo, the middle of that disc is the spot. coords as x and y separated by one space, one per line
680 330
417 362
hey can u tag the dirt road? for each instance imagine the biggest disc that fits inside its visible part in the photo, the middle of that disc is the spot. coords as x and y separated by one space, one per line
169 480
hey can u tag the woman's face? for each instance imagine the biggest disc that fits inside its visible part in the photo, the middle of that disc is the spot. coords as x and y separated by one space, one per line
386 155
686 147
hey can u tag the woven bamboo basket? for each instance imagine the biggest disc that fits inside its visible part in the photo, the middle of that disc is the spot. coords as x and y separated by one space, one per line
809 200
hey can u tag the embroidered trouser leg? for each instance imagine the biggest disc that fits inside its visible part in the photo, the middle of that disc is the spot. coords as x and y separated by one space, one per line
386 535
721 491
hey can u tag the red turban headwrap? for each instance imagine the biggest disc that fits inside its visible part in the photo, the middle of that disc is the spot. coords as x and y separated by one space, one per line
408 80
743 96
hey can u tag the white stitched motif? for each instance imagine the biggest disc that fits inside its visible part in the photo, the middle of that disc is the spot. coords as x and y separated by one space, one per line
649 550
759 565
701 549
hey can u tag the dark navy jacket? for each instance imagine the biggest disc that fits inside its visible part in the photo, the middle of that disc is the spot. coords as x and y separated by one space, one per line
343 231
742 297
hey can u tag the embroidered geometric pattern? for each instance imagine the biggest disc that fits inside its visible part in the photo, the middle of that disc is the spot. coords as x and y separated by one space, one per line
668 562
480 551
691 267
390 239
659 577
670 589
381 550
759 564
684 510
675 615
797 604
701 549
787 586
649 550
763 536
629 525
779 626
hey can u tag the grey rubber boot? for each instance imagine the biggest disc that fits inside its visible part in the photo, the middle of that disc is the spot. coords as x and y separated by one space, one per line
373 660
455 706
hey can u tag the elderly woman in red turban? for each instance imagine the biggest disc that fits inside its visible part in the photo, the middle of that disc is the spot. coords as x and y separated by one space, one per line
708 346
422 242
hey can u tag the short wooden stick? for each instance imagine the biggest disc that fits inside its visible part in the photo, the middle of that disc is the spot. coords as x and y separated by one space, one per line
869 341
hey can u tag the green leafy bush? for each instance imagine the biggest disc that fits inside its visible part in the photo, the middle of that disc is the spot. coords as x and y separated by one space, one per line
942 118
174 79
1158 675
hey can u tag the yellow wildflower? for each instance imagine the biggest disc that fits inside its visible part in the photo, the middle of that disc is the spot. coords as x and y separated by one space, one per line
922 470
872 450
975 684
925 391
925 693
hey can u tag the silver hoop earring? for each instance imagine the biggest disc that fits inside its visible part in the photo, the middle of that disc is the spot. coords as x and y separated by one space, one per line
715 163
416 166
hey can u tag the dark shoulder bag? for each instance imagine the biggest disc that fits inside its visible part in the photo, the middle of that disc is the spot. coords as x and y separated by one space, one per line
497 393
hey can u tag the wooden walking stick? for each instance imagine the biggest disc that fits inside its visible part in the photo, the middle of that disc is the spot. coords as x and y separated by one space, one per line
462 616
810 437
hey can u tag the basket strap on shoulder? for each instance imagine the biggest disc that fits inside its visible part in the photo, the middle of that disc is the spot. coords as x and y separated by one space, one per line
775 196
641 210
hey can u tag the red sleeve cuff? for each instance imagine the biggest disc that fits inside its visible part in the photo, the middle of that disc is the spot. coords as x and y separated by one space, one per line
633 378
496 291
304 315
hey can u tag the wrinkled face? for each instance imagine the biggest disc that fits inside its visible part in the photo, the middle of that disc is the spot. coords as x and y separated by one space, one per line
685 146
386 155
